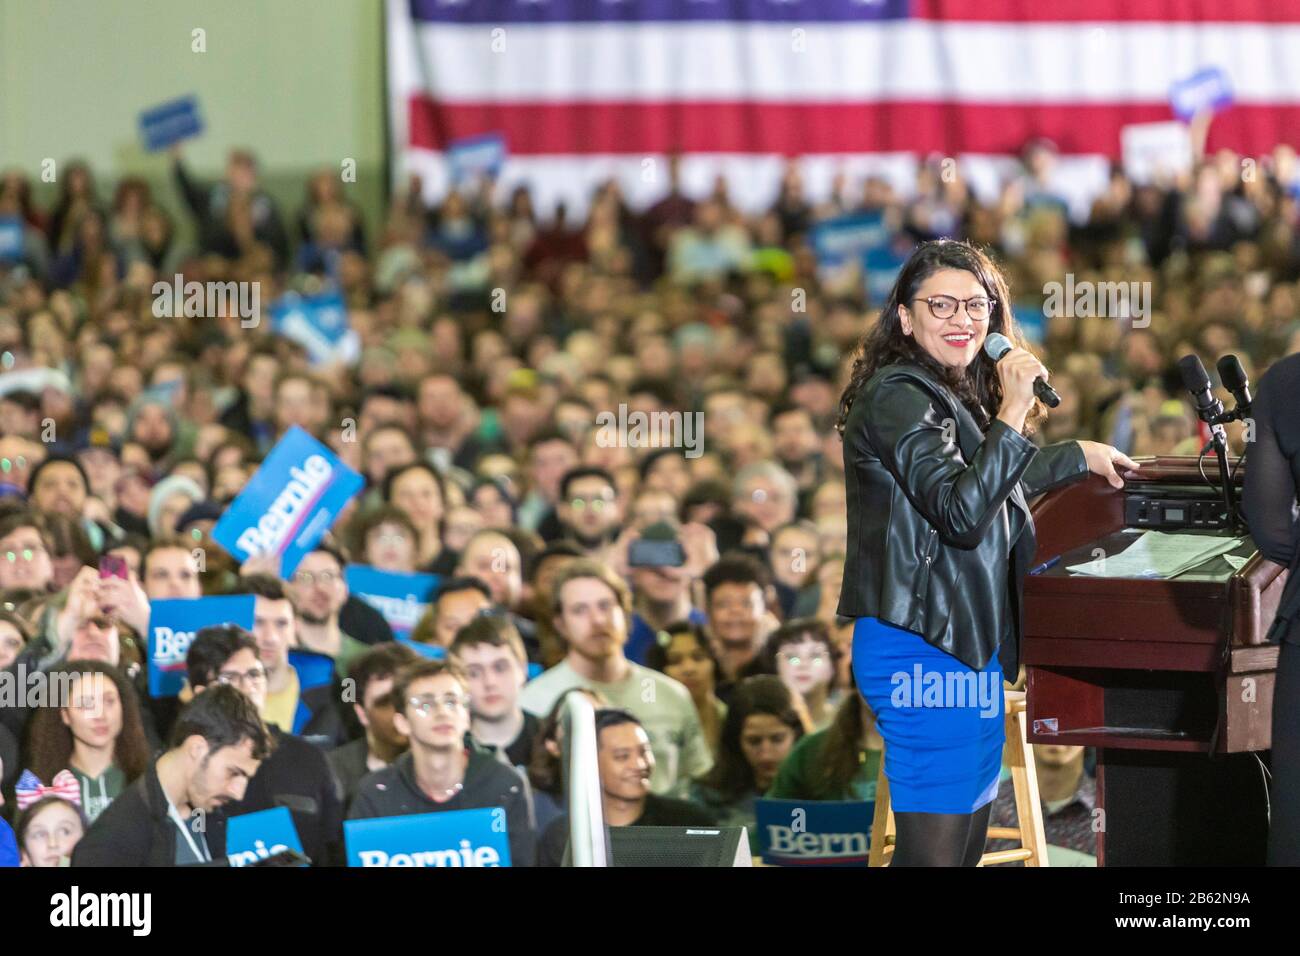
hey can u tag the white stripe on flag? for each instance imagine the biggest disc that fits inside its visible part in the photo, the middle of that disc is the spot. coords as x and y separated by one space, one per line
911 60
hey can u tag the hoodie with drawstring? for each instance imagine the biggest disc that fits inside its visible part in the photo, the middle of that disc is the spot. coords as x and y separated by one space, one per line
98 792
488 782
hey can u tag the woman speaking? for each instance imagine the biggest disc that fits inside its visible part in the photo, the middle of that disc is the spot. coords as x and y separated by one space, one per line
938 469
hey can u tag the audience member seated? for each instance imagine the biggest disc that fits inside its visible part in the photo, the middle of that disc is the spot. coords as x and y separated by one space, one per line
626 763
440 771
761 729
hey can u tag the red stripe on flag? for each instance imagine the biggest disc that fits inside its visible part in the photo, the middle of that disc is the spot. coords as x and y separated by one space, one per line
1103 11
799 128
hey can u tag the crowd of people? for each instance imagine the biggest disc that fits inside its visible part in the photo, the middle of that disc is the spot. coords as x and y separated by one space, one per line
689 588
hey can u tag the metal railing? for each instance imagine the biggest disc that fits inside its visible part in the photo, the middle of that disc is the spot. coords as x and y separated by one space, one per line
588 838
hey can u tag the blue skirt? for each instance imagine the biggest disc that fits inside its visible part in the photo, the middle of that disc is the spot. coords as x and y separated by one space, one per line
942 722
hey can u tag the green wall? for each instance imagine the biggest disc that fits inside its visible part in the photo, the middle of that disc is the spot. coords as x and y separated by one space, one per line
300 82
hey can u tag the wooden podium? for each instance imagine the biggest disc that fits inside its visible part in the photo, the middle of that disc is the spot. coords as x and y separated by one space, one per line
1169 679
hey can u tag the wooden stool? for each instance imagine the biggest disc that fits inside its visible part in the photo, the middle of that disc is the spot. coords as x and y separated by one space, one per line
1018 755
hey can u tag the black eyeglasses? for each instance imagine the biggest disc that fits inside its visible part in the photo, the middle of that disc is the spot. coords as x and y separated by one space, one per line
978 307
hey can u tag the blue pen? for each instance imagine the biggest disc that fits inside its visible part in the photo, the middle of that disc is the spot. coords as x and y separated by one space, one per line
1045 565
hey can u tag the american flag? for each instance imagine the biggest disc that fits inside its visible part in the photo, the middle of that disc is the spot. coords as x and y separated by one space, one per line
581 90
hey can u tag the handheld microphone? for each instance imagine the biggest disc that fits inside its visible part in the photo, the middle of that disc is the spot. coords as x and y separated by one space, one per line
1234 379
998 345
1197 382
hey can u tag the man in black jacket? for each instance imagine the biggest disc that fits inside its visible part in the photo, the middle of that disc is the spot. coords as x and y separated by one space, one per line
440 772
296 775
218 744
372 677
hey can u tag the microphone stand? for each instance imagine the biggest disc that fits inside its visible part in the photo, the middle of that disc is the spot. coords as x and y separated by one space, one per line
1219 441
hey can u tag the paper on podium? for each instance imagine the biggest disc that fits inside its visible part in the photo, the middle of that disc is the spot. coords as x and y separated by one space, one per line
1158 555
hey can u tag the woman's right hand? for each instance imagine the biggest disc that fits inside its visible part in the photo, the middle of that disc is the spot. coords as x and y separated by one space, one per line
1017 371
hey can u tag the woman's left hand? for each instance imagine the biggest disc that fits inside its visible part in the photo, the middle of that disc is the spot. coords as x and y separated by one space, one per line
1102 460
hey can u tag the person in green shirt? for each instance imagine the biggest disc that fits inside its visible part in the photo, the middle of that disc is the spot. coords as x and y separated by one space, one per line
838 763
98 735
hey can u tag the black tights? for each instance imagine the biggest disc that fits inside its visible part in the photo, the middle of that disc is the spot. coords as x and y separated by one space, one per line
941 839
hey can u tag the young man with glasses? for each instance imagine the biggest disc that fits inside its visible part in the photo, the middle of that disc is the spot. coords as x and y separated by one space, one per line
296 775
318 591
25 553
294 702
441 771
589 509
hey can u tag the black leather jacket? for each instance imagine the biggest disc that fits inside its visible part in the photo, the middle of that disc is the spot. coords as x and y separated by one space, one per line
933 546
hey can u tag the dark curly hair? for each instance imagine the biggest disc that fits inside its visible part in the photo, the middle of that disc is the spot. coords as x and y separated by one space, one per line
49 739
978 386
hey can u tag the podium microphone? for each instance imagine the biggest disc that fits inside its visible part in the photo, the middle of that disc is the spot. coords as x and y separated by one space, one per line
1197 382
998 345
1234 379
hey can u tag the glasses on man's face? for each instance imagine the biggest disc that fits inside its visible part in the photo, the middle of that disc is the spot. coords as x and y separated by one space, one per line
595 504
249 678
323 578
390 538
9 464
25 554
425 704
978 307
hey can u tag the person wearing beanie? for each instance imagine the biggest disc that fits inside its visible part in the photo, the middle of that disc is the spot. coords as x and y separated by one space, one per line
168 501
154 424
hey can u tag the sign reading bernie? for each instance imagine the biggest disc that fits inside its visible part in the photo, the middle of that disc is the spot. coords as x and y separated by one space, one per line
400 597
814 832
450 838
172 625
288 505
251 837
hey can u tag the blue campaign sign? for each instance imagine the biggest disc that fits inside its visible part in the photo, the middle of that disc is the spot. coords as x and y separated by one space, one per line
451 838
255 836
173 623
1208 90
11 238
319 323
880 268
400 597
434 652
476 156
1032 323
814 832
173 121
289 503
844 238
